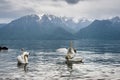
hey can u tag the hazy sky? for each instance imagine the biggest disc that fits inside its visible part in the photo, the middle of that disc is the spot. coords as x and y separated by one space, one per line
91 9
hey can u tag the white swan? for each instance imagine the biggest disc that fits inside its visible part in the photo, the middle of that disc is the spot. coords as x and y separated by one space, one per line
23 58
71 52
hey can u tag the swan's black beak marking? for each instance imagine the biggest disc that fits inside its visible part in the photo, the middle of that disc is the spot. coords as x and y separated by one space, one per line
26 56
75 50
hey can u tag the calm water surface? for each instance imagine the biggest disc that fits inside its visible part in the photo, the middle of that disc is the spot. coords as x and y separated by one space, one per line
101 60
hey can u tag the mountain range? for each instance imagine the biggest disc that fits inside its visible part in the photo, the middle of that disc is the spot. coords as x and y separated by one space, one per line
50 27
101 29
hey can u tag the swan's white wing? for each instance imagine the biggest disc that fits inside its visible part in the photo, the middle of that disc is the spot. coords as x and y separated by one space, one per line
20 59
76 60
62 50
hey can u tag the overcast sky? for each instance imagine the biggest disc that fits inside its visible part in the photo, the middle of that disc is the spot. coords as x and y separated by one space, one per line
91 9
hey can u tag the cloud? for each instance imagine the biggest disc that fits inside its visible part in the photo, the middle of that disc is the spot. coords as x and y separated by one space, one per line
10 10
72 1
93 9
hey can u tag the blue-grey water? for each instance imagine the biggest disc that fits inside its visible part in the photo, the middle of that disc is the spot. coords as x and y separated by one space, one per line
101 60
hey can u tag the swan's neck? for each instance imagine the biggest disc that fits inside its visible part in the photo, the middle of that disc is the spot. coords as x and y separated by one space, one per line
72 50
71 44
25 59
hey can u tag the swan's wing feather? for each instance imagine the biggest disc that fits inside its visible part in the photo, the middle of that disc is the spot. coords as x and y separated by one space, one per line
62 50
20 59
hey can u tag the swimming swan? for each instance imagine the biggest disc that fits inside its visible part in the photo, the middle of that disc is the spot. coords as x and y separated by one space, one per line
71 52
23 58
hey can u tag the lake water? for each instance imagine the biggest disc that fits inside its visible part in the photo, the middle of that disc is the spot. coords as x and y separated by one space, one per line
101 60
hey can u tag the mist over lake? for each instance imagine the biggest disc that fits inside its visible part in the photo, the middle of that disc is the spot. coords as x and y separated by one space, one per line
101 60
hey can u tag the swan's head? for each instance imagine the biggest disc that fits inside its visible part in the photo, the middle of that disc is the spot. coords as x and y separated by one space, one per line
26 54
75 50
71 50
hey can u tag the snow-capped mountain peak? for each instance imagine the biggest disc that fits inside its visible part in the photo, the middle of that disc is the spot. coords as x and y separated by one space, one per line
115 19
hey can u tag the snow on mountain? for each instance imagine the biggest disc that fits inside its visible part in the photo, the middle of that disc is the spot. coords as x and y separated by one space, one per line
115 19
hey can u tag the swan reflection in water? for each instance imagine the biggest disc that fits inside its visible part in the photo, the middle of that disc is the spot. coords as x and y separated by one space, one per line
69 64
70 69
24 66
